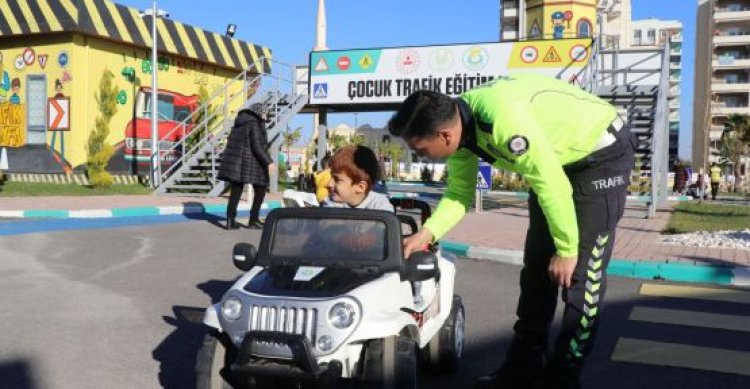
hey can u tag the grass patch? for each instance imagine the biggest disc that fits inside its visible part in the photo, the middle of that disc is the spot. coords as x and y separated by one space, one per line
693 216
18 189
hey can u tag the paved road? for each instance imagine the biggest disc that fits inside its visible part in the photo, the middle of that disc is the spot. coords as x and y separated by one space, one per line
117 308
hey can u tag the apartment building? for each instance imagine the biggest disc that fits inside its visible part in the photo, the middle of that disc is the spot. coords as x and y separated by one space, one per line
722 73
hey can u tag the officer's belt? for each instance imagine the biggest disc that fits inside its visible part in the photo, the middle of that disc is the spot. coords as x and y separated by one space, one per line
608 138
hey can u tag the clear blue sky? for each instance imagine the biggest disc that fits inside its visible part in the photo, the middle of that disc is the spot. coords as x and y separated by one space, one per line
288 28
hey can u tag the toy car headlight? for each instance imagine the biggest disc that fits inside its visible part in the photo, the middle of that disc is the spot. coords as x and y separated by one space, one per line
341 315
231 309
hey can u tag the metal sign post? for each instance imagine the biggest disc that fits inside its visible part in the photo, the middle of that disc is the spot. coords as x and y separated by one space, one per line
484 182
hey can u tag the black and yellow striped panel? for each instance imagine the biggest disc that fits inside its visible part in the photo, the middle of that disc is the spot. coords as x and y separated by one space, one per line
107 19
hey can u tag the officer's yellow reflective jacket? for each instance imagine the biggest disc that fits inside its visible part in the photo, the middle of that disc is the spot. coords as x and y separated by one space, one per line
533 125
715 174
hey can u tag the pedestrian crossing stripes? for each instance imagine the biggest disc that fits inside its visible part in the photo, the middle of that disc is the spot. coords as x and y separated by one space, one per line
108 20
694 292
691 318
683 355
680 355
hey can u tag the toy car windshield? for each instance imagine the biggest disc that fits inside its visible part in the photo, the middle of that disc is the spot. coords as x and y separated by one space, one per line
329 239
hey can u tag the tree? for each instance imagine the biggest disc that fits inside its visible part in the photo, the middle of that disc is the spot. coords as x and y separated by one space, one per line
337 141
205 119
733 143
357 139
290 137
393 151
98 149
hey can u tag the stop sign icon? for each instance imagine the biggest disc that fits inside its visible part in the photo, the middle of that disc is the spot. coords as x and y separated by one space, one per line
343 63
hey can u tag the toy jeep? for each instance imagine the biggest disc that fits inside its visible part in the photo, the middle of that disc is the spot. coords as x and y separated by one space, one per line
328 299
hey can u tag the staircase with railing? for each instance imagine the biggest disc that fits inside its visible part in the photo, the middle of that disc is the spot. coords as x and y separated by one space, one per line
203 134
636 81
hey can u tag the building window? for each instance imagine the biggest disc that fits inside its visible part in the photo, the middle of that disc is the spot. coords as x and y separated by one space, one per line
651 37
584 28
637 37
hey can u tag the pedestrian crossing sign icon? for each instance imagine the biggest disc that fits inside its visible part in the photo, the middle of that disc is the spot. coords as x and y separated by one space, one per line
320 91
484 176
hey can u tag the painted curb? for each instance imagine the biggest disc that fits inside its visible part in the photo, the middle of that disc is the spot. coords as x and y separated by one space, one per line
649 270
525 195
191 208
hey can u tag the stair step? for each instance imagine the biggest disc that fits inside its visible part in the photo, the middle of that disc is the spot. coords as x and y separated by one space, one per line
202 187
193 179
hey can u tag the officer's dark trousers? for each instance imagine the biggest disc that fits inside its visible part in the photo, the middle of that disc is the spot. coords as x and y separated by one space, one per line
599 184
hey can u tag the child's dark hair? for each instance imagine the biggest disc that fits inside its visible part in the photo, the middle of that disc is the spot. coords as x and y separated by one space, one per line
358 163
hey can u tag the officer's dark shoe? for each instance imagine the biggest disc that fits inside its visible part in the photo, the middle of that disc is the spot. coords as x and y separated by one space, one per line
232 224
255 223
503 378
561 376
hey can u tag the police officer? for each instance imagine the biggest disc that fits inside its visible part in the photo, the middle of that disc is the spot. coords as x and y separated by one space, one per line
577 155
715 179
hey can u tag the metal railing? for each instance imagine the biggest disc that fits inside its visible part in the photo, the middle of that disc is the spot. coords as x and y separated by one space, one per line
203 133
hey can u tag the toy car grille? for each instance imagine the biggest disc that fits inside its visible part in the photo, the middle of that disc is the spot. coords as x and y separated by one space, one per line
292 320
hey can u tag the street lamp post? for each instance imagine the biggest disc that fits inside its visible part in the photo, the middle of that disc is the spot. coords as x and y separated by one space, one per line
154 165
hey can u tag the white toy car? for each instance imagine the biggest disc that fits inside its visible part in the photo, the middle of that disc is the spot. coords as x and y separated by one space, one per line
328 298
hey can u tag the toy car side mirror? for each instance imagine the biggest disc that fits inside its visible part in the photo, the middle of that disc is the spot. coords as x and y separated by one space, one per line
421 266
243 256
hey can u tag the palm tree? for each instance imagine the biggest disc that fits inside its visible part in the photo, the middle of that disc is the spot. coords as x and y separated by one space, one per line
394 151
734 143
290 137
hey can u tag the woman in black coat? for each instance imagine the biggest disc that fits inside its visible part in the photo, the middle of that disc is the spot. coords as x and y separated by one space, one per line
246 160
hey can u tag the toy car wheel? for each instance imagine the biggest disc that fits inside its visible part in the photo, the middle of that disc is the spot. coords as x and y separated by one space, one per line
444 351
390 363
212 363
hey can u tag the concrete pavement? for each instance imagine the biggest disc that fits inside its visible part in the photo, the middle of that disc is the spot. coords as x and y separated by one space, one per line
497 234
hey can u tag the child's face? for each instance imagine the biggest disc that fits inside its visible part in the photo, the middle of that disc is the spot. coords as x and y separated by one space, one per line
343 190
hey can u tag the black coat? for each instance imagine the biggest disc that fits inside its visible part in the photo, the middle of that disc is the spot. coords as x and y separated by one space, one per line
245 158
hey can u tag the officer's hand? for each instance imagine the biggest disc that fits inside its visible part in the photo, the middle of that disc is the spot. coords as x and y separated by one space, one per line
561 270
417 242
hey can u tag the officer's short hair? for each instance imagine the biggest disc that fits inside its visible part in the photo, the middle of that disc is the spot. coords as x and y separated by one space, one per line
422 114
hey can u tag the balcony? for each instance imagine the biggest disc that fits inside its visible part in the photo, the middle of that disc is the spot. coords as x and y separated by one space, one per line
510 9
510 35
734 38
729 14
675 65
721 86
729 62
675 78
675 51
674 104
723 110
676 38
674 116
714 135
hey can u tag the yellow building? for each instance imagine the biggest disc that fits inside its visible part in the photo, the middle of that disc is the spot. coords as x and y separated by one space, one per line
53 54
550 19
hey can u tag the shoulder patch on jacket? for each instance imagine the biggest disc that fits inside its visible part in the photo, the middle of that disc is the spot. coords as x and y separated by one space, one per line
518 145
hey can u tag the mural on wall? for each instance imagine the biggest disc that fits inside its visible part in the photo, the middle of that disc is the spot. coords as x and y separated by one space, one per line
12 124
561 22
12 112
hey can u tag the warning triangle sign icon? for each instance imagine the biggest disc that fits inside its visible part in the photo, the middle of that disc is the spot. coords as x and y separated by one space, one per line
481 182
535 31
552 55
321 66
